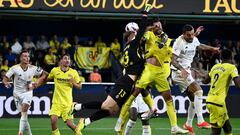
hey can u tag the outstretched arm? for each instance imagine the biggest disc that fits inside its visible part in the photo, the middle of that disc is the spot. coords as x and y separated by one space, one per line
210 48
199 30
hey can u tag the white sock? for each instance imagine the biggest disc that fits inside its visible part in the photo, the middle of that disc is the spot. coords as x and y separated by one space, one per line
198 105
78 107
129 127
146 130
191 114
29 132
23 124
87 121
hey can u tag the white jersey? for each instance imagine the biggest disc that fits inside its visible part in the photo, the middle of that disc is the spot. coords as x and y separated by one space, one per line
185 51
22 78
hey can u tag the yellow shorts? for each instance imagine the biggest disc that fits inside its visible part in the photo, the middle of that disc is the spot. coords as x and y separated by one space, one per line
154 76
218 115
61 110
167 70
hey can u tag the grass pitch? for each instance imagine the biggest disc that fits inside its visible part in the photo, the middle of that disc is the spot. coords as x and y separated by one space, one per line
160 126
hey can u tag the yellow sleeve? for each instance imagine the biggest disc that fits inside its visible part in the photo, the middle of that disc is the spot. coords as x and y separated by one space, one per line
51 74
76 77
234 72
146 35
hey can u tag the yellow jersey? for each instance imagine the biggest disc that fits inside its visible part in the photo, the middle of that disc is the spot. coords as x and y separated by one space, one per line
62 87
167 53
151 48
221 76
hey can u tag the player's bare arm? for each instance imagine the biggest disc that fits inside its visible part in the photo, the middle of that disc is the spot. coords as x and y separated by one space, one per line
206 79
40 81
76 85
199 30
174 62
6 82
237 81
210 48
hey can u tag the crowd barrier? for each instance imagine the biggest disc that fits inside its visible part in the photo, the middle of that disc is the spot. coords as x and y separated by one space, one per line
41 101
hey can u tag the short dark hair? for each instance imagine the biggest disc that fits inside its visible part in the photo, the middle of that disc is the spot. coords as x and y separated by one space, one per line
226 54
151 22
95 66
66 54
187 27
24 51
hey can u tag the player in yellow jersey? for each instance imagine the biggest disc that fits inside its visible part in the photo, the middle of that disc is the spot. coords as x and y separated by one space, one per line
153 74
221 76
65 78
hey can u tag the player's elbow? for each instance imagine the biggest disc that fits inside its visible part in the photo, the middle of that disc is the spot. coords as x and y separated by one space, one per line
237 81
78 86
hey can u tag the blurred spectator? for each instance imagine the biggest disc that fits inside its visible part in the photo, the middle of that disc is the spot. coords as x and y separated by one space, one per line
115 48
54 44
95 76
76 42
89 43
2 72
16 47
4 45
4 65
100 43
65 44
28 44
42 43
50 60
11 57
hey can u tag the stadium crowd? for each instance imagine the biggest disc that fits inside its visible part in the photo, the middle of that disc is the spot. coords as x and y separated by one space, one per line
46 51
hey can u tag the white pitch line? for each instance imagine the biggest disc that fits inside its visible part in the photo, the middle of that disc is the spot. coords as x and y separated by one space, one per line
38 129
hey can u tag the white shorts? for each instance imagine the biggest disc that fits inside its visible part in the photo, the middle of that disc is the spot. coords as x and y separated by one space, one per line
182 83
22 98
140 105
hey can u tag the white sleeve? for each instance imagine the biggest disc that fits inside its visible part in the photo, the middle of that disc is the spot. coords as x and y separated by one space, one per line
10 72
37 71
177 47
197 41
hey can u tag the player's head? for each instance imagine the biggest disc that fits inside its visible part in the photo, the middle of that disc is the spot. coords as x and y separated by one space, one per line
65 60
157 26
226 54
188 33
24 57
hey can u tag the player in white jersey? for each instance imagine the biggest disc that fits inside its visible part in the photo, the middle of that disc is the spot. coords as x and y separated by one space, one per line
138 107
184 50
22 91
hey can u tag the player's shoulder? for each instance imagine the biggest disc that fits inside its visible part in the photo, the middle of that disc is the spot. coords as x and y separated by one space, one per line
179 41
15 66
55 69
73 70
230 66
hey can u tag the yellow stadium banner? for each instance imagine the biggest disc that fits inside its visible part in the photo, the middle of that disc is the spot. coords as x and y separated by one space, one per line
87 57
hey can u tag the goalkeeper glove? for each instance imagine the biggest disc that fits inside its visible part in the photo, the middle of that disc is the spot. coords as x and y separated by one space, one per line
147 8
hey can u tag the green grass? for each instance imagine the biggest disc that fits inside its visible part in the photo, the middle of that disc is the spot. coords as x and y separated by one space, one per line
41 126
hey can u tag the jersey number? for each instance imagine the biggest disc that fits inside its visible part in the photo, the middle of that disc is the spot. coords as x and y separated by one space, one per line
122 93
216 76
126 58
